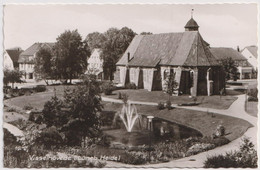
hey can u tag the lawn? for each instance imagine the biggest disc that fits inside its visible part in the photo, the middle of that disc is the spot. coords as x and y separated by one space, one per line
201 121
252 108
37 100
158 96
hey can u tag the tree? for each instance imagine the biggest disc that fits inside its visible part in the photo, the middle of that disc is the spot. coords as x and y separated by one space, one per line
71 55
171 86
114 47
95 40
230 68
43 64
83 105
146 33
12 76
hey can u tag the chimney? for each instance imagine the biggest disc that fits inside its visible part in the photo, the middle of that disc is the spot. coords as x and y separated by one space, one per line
238 49
128 57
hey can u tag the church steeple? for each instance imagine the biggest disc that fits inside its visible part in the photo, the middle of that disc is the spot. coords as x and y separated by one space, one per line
191 24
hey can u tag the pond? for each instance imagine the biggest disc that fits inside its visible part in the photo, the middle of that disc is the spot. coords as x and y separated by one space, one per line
141 134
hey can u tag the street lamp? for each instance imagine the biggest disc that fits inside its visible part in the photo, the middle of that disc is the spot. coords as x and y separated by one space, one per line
150 118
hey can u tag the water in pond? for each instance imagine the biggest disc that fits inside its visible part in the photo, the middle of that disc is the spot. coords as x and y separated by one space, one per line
161 130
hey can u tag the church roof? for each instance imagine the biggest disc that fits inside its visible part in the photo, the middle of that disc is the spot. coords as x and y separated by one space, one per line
168 49
191 24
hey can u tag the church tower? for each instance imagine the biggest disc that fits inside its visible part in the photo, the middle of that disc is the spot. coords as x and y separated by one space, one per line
191 24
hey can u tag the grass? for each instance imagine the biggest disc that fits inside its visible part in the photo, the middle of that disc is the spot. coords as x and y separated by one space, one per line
159 96
252 108
200 121
37 100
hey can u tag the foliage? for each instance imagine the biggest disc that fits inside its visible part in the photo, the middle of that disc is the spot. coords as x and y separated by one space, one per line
125 98
107 87
12 76
220 131
40 88
114 47
53 115
160 106
245 157
28 107
230 68
83 104
119 95
50 138
130 86
253 94
146 33
70 55
197 148
169 104
252 99
44 65
95 40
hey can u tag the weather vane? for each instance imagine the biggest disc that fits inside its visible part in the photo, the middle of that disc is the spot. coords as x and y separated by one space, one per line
192 13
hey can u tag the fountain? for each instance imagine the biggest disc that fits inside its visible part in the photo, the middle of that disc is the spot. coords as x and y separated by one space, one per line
128 115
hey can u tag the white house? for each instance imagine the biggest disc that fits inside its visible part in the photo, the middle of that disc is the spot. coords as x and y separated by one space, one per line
8 62
27 58
95 64
250 52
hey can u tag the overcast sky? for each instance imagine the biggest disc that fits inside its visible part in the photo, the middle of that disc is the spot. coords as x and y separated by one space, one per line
225 25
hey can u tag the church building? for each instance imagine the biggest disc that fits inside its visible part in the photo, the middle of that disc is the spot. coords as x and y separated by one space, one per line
150 58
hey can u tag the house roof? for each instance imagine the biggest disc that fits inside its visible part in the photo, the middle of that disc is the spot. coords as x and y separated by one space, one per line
223 53
14 54
191 24
170 49
29 52
253 50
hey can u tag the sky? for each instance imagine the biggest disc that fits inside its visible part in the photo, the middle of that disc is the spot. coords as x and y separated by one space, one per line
221 25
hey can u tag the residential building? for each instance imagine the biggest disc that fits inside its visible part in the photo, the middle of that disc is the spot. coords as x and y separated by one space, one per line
14 54
245 69
95 64
27 58
150 58
8 62
251 54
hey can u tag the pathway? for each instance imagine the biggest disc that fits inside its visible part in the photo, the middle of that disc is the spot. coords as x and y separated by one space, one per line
196 161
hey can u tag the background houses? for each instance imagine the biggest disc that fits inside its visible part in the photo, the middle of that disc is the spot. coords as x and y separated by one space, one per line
26 59
95 64
8 62
245 69
250 53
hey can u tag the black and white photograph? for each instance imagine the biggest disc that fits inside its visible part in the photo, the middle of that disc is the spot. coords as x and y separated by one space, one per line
130 85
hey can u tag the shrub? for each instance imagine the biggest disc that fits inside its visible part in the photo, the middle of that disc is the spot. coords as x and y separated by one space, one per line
253 92
28 107
160 106
220 131
49 138
246 157
135 158
200 147
119 95
130 86
252 99
40 88
125 98
10 109
168 104
107 88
